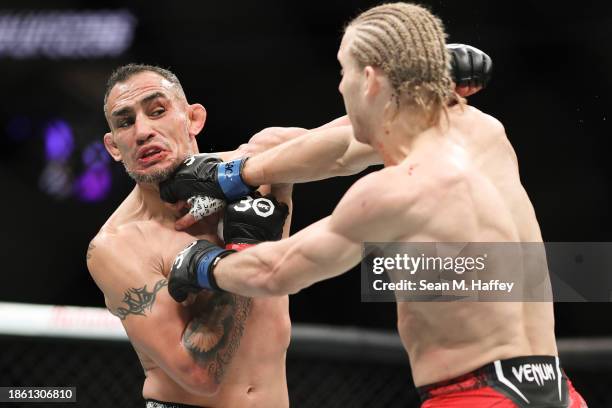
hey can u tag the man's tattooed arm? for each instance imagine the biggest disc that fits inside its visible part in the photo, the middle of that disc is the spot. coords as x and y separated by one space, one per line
139 301
213 335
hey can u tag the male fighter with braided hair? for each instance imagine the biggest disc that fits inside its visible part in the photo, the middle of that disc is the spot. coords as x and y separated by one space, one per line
450 175
222 350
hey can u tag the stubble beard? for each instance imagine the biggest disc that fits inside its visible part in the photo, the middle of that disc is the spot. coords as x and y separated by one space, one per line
158 176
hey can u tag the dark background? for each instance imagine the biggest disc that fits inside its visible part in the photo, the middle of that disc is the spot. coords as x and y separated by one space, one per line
272 63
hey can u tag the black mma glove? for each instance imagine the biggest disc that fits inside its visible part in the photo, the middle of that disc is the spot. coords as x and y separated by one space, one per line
252 220
192 269
469 66
246 222
205 175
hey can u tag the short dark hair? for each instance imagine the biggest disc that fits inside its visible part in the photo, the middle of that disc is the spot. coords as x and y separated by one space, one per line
125 72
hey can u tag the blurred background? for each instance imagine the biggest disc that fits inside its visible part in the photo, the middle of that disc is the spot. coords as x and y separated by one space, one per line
254 65
273 63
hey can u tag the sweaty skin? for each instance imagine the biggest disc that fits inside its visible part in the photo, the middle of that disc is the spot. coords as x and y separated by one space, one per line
222 350
457 181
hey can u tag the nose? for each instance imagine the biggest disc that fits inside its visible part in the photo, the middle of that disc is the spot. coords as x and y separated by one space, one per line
144 131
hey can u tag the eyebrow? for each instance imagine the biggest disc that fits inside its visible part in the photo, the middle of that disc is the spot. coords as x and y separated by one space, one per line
145 100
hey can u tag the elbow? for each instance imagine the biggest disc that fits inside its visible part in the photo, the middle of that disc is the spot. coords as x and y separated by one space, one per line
275 287
276 284
199 382
265 284
271 276
341 168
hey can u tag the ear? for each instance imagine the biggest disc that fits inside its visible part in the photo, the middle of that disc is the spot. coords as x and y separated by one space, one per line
372 82
111 147
197 118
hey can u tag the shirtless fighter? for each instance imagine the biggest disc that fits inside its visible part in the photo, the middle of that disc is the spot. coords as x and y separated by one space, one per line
222 350
450 175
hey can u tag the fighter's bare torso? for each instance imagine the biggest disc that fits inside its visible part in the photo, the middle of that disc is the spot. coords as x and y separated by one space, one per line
469 191
455 182
248 358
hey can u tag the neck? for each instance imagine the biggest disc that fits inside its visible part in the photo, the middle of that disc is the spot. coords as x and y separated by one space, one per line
402 135
147 194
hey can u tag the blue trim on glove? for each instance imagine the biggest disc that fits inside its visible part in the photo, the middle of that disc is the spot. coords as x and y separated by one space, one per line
228 176
204 266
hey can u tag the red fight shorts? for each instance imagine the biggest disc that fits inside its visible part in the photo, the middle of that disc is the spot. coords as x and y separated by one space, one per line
529 382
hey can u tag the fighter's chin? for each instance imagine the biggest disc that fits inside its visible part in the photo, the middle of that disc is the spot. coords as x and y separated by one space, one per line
154 174
359 131
361 135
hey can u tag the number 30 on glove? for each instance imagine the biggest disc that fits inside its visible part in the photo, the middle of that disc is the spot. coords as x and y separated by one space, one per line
247 222
252 220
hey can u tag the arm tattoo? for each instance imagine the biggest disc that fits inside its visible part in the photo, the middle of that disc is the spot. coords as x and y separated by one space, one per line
90 248
139 300
213 336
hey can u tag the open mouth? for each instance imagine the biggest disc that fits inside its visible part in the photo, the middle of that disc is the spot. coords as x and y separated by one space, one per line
151 155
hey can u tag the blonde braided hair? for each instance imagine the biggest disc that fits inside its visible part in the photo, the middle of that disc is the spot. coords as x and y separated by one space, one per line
408 43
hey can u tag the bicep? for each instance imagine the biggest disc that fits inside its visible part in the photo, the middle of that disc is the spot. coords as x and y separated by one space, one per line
273 136
269 138
140 299
192 344
153 321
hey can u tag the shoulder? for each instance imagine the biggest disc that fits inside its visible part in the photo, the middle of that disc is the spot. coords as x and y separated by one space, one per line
396 187
372 206
492 131
116 256
112 238
484 121
398 201
375 192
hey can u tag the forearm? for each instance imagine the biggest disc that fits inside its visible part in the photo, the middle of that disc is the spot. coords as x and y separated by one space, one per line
189 374
165 340
209 342
182 365
313 156
287 266
250 272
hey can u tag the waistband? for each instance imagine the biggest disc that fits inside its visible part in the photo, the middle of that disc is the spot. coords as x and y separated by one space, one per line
514 375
